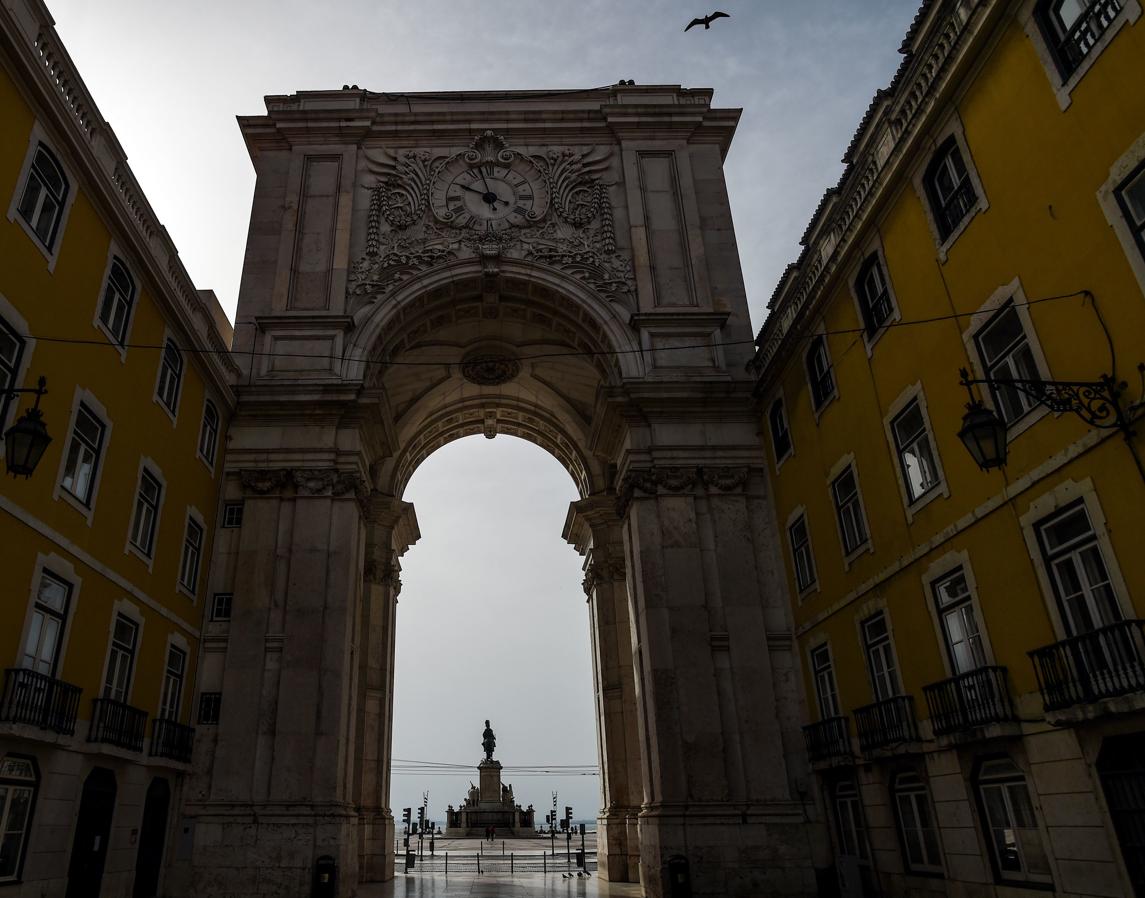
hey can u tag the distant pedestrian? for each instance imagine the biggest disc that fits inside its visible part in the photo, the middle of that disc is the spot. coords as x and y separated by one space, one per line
492 834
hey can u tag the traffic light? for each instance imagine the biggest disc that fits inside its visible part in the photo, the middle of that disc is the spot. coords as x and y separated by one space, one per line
407 815
421 819
567 817
549 819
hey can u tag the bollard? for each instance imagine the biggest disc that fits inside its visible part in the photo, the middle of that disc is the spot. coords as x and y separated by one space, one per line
478 861
679 877
325 877
544 863
510 863
447 863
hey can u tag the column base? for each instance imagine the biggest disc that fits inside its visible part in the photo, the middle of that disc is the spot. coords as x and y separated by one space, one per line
270 849
732 851
618 845
375 846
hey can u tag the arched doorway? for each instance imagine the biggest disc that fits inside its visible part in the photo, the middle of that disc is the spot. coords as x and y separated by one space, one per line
1121 766
93 829
602 318
152 838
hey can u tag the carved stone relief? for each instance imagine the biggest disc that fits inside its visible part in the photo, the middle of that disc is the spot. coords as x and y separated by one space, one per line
569 224
685 479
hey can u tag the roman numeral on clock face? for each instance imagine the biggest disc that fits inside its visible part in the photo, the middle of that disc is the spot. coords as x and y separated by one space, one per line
520 210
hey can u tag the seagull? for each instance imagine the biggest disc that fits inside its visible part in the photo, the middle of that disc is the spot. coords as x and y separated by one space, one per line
707 20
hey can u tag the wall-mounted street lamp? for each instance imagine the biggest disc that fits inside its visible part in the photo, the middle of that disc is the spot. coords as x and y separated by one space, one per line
1096 402
26 440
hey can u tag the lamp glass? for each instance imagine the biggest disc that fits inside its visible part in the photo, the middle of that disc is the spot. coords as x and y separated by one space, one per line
983 434
24 444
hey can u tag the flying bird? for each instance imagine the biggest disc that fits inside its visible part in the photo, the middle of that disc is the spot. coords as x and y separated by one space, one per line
707 20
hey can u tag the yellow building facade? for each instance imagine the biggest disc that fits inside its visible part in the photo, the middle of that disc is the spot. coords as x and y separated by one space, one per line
971 640
104 548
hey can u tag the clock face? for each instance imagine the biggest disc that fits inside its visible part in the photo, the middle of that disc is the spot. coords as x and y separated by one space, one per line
489 195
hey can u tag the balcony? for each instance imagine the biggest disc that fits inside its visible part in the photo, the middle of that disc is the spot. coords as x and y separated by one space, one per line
886 723
171 740
1105 663
39 700
968 701
116 723
828 740
1085 33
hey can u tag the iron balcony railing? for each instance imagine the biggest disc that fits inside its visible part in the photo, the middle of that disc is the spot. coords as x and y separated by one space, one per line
37 699
973 699
1101 664
829 739
170 739
117 723
957 207
1085 33
889 722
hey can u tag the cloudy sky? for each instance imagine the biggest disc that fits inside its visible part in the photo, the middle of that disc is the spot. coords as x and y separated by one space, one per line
493 621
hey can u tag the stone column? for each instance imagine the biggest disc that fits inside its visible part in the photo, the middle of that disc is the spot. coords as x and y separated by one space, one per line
390 529
594 529
279 793
717 691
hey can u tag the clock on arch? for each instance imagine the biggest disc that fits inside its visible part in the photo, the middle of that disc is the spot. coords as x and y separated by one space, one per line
489 190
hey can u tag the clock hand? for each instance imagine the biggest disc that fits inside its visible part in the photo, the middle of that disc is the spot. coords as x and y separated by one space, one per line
485 196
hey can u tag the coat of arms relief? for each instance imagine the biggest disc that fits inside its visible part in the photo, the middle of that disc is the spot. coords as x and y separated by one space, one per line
489 201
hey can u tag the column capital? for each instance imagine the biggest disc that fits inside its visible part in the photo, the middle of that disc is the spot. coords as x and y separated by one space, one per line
641 482
586 519
395 515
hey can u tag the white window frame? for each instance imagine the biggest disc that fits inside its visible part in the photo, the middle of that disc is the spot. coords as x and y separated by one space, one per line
63 569
919 797
999 782
1063 88
208 402
1129 161
978 320
952 128
778 397
796 513
214 605
939 570
149 465
17 323
911 394
38 136
824 645
1040 509
59 492
834 394
856 818
178 643
114 253
891 653
12 783
131 611
173 414
849 557
194 515
224 518
873 248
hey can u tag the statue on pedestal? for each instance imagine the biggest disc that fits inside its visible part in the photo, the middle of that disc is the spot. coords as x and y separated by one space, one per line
488 741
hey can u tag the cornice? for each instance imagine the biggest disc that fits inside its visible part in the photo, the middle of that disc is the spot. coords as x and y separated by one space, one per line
941 37
28 33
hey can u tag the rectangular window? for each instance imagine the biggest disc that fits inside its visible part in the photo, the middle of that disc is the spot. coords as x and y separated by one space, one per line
915 451
232 514
959 623
45 195
46 630
819 372
1131 198
11 352
172 697
192 552
824 675
919 835
1078 570
1006 355
209 432
880 657
170 376
852 526
221 606
849 819
84 450
780 434
118 297
210 703
801 554
121 659
17 794
146 513
1012 830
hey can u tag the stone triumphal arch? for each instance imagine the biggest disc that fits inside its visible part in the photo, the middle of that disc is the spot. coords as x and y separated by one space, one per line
559 267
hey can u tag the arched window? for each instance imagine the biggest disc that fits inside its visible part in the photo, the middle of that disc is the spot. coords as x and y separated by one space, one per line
18 780
45 192
209 432
1072 28
916 824
118 298
949 188
819 374
780 434
874 295
1011 829
849 821
170 376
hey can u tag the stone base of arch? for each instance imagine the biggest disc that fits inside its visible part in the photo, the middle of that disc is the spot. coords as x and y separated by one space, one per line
618 845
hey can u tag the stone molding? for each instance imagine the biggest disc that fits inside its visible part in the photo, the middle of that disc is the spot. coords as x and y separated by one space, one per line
304 482
604 569
383 575
648 482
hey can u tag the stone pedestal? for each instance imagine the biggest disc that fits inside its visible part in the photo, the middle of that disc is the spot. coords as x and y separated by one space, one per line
490 784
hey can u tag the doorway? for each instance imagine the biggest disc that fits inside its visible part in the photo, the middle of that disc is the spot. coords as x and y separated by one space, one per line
152 837
93 828
1121 765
